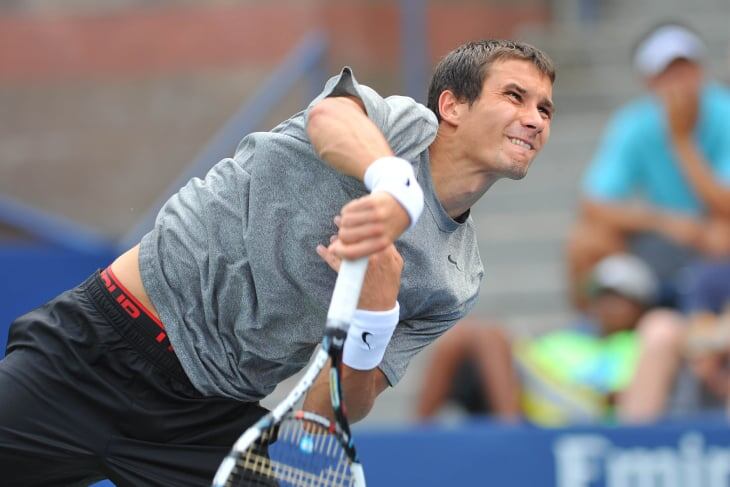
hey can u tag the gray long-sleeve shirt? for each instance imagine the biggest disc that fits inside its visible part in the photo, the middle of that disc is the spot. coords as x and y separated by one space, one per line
231 267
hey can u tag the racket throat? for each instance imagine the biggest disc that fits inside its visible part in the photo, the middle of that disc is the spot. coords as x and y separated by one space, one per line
337 337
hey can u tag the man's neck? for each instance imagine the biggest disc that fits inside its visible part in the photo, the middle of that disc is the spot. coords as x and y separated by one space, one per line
457 181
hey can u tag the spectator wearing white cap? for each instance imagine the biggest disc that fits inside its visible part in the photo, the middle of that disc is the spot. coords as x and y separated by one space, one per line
659 183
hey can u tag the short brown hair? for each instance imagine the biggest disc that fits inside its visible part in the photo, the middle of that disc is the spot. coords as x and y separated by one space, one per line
464 69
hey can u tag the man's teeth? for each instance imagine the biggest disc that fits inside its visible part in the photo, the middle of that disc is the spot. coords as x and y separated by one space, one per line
521 143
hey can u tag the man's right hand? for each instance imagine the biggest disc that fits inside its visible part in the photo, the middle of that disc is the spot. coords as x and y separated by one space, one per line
369 225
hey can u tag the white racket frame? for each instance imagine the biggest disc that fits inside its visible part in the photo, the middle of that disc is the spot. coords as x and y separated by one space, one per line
339 315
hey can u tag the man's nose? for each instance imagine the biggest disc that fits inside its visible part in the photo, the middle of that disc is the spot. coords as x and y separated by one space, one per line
533 119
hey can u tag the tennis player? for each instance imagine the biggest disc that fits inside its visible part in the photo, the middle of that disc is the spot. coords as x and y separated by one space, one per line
148 371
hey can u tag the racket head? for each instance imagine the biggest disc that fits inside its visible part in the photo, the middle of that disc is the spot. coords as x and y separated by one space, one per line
301 449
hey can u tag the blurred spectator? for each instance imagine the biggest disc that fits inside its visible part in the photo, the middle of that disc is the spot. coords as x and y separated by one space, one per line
659 184
577 374
472 367
697 378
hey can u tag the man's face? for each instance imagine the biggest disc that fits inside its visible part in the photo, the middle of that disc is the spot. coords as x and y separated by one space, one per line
509 123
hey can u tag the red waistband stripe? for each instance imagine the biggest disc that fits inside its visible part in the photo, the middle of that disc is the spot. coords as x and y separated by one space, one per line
126 300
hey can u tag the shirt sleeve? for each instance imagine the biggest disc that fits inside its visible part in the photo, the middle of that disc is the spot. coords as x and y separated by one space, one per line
612 174
408 126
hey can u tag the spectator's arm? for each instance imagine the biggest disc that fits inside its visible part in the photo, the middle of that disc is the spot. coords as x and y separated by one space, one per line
715 196
629 219
660 334
683 108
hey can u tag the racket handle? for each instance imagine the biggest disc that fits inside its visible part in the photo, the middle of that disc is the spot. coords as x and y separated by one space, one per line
347 291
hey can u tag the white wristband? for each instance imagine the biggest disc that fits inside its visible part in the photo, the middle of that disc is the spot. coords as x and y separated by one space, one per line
396 177
369 335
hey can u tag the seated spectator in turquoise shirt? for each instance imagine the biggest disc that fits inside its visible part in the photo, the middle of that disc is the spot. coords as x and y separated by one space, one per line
659 183
637 157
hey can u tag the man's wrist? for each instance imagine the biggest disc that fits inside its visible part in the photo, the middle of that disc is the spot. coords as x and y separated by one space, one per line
395 176
368 337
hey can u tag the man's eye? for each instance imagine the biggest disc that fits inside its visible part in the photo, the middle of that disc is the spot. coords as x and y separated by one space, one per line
514 95
546 113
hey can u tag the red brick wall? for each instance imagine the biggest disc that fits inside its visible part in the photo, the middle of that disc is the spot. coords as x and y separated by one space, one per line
143 41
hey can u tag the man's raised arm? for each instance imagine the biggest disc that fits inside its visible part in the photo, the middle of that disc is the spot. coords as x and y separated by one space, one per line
345 138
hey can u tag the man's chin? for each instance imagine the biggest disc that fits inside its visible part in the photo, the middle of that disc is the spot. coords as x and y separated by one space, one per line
517 170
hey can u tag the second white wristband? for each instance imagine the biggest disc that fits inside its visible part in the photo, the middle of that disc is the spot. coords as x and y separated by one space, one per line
368 337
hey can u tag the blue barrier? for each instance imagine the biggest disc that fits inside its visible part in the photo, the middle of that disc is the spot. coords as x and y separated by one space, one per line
51 228
32 274
688 453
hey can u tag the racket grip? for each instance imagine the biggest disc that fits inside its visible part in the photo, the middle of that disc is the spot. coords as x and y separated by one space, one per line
347 291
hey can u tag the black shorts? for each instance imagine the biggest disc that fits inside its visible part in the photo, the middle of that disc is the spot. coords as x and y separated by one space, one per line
90 388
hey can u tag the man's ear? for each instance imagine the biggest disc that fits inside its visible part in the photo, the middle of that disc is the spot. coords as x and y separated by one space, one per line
450 108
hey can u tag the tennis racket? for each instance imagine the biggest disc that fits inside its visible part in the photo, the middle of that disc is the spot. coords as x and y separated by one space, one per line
288 448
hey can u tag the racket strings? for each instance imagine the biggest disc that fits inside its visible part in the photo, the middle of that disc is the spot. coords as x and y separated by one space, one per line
295 453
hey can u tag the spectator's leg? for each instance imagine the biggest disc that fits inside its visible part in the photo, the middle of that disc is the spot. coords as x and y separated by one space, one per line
587 244
492 352
646 397
449 352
